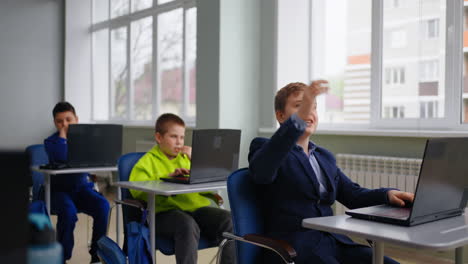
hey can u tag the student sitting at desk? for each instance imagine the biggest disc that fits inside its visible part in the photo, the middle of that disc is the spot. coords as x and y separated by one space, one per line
297 179
182 216
72 193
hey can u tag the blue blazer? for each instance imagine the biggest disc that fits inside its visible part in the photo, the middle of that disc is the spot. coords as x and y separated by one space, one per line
289 189
57 151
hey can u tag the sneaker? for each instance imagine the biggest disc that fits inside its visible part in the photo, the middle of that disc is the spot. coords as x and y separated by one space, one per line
95 259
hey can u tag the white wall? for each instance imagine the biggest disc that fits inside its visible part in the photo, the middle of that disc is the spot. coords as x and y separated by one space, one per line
77 57
31 69
228 67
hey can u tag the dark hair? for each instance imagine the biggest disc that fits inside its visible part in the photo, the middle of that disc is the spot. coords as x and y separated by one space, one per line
282 95
63 107
163 121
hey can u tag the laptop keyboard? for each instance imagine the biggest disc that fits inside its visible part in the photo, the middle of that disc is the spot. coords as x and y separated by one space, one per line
399 213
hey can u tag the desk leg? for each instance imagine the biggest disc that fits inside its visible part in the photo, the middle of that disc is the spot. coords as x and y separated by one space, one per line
118 207
152 217
459 255
377 252
47 192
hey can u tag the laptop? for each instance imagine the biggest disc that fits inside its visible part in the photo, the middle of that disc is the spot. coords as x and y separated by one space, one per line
92 145
442 188
215 154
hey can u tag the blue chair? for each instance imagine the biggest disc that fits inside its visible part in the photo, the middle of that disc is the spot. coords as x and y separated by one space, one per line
248 222
38 156
133 211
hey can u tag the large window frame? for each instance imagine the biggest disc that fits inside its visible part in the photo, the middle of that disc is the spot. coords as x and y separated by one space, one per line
378 124
453 74
125 21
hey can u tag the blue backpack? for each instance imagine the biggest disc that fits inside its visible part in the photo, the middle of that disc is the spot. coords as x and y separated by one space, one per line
138 245
138 242
109 252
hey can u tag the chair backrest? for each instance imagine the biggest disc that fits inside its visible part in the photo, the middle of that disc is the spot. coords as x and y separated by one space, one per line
246 214
125 166
38 156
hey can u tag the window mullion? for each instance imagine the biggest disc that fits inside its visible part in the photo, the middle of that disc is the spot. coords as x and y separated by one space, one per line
130 92
454 62
185 75
155 55
376 62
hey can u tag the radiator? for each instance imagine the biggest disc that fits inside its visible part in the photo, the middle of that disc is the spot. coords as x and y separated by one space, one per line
379 171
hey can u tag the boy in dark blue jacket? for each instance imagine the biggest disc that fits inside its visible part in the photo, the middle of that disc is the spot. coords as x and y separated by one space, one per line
297 179
72 193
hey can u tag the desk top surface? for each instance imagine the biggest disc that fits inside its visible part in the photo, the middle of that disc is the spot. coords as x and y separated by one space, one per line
167 188
443 234
74 170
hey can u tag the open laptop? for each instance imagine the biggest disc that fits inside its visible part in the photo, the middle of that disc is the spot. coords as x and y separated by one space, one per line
215 154
442 188
92 145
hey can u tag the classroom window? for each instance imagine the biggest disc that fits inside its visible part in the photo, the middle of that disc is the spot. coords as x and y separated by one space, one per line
141 44
119 73
386 62
143 60
118 7
464 90
138 5
335 56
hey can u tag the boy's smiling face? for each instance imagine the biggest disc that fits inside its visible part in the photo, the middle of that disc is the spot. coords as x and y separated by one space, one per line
292 106
63 119
172 141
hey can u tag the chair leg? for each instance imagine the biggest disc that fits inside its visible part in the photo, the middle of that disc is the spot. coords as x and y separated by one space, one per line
88 239
219 254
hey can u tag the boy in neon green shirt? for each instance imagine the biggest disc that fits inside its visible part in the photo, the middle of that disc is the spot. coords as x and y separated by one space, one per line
183 216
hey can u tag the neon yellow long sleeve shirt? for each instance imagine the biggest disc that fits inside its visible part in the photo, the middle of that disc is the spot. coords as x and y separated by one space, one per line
154 165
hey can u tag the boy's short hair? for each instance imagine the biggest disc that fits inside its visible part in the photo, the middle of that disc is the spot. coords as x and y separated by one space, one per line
283 94
161 125
63 107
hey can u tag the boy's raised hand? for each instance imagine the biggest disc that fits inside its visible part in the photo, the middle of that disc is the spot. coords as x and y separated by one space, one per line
63 132
309 104
179 172
317 87
187 151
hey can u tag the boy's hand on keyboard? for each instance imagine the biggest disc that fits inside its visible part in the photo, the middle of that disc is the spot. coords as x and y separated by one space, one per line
179 172
399 198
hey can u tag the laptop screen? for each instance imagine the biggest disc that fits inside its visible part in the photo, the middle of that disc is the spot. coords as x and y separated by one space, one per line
215 153
94 144
443 177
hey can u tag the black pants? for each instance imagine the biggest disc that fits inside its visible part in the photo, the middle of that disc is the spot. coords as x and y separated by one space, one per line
186 227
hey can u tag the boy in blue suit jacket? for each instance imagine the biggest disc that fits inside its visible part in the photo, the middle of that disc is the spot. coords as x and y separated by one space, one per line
297 179
71 193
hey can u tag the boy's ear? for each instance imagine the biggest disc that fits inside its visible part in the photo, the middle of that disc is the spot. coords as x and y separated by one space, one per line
77 119
279 116
157 137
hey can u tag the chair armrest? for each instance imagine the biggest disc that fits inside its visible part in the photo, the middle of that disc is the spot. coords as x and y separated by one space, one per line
215 197
133 203
280 247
